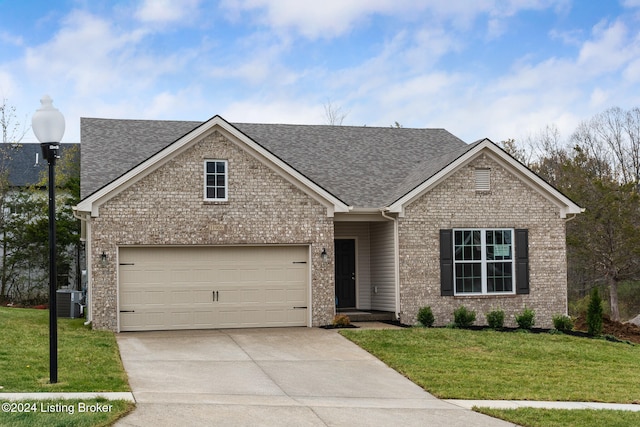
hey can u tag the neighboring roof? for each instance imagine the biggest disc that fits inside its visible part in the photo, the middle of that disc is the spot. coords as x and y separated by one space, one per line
25 162
363 166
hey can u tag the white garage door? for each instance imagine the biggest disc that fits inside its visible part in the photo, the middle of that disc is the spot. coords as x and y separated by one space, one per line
212 287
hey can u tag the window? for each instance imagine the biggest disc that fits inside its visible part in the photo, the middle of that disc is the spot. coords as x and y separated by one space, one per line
484 261
215 180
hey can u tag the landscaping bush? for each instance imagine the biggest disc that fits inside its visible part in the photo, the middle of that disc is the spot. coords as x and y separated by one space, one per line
562 323
495 319
526 319
594 314
463 317
341 320
425 317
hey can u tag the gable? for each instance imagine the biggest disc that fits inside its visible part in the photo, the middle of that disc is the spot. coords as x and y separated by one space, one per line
172 194
517 171
171 152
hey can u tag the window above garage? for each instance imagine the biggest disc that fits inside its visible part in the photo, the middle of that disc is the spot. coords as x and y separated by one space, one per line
215 180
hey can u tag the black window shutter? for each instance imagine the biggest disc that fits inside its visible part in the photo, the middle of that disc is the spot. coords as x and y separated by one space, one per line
522 261
446 262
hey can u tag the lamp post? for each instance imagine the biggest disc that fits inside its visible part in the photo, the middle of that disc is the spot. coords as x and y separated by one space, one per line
48 126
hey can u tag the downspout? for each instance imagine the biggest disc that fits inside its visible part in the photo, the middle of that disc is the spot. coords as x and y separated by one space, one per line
572 218
83 228
396 258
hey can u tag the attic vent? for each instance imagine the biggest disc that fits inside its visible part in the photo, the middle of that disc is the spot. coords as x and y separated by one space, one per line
483 179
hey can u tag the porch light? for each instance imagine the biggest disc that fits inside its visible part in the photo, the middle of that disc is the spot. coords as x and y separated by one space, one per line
48 126
103 259
324 255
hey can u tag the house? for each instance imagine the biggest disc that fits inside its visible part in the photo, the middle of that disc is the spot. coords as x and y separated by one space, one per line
25 165
225 225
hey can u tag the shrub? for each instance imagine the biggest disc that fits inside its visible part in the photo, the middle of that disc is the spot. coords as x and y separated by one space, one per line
495 319
563 323
341 320
526 319
594 314
463 317
425 317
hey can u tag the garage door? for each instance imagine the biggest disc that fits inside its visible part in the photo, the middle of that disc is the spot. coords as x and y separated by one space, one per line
212 287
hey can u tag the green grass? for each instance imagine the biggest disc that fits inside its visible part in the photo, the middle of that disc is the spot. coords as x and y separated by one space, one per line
530 417
63 413
489 365
462 364
88 361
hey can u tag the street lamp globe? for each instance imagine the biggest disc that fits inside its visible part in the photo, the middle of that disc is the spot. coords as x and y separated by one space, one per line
47 122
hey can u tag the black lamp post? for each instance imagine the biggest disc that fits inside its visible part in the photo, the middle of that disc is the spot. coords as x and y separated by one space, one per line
48 126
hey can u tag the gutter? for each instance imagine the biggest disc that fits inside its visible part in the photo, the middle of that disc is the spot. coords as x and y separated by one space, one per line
83 236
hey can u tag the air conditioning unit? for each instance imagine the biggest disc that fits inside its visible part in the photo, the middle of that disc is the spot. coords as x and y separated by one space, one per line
68 303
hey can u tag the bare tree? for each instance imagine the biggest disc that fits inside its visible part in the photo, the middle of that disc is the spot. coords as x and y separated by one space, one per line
12 134
12 131
334 115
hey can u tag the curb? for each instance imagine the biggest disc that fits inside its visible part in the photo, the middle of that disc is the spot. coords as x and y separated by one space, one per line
515 404
128 396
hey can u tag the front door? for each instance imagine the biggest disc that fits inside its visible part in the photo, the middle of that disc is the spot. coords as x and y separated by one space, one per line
345 250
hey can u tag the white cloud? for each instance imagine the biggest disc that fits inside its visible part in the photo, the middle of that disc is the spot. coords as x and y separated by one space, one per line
11 39
8 85
599 98
333 18
609 50
325 19
632 72
256 110
166 11
86 52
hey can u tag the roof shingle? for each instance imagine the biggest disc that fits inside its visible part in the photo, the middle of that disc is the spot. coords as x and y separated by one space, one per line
367 167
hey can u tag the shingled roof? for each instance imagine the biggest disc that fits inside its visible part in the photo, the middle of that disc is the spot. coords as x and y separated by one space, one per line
25 163
368 167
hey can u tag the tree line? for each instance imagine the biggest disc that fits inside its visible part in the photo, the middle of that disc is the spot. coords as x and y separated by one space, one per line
598 167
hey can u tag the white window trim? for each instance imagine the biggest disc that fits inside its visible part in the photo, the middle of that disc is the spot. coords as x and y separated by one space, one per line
483 261
226 181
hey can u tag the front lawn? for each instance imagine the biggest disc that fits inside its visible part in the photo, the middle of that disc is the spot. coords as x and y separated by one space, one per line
489 365
88 361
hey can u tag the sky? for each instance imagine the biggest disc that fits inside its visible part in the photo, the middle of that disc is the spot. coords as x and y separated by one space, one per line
498 69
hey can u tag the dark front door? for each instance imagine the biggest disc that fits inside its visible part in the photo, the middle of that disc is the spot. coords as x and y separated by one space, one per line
345 272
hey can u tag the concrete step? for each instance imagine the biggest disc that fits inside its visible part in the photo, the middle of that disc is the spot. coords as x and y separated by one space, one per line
367 315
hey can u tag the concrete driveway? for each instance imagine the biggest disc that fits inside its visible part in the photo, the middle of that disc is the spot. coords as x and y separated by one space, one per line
273 377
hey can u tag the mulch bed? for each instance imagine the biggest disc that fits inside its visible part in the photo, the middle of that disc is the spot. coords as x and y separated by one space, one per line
622 331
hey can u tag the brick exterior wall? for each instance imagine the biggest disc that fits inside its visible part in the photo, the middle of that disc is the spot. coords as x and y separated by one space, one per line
167 208
454 203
